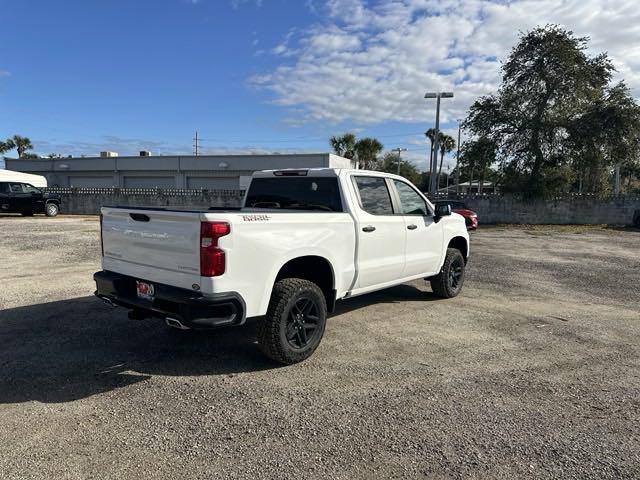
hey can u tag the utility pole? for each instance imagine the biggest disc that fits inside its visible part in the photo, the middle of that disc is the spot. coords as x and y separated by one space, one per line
196 145
399 150
436 142
458 160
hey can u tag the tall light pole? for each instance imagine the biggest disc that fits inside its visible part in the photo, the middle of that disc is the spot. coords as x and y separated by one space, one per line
458 160
399 150
436 141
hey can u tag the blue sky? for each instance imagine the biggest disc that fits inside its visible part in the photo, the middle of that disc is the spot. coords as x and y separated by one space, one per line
81 76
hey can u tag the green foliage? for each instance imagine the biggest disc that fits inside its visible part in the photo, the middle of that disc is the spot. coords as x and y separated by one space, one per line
21 144
446 144
365 150
476 158
389 164
344 145
556 116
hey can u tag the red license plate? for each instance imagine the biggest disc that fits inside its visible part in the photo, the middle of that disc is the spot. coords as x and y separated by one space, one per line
145 290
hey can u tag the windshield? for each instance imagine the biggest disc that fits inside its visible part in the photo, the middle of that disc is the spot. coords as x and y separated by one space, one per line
295 193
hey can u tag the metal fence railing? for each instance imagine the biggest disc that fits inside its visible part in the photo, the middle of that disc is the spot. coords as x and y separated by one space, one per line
524 195
164 192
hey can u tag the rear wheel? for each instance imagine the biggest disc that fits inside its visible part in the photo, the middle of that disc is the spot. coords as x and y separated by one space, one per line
295 321
51 209
448 283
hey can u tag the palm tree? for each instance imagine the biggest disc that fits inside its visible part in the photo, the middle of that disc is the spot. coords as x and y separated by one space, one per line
6 146
368 150
22 144
447 144
431 136
344 145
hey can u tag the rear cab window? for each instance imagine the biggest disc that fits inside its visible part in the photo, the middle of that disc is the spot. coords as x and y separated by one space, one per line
295 193
374 195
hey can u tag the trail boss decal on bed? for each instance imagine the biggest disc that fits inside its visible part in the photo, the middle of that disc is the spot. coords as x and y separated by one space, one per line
256 218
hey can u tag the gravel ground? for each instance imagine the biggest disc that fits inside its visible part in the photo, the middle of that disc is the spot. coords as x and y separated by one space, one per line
533 372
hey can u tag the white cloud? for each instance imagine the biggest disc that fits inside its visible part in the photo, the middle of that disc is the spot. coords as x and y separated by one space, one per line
237 3
370 62
5 73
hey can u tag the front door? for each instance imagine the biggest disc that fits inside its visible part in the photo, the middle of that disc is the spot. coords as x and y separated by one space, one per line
424 235
381 233
36 200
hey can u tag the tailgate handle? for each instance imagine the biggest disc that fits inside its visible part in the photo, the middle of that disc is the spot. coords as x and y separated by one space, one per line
139 217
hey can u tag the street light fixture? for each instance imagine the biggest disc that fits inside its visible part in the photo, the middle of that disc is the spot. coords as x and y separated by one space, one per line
399 150
434 156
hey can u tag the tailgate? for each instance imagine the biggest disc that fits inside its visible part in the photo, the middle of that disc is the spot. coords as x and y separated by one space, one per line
157 245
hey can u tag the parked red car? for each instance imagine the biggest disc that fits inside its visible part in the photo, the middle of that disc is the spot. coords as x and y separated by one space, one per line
470 217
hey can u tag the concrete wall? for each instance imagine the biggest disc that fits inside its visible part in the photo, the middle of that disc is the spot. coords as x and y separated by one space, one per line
563 210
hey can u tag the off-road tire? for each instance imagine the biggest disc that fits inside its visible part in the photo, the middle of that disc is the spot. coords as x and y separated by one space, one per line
448 284
51 209
272 330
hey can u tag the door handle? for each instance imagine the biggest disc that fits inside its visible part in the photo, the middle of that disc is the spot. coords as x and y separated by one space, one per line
412 227
368 228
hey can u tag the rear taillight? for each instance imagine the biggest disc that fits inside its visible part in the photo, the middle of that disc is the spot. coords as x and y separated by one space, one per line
101 240
212 258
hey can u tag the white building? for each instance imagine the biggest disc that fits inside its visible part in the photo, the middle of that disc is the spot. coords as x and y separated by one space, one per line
213 172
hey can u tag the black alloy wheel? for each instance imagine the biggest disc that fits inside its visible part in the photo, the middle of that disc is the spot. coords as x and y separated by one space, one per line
456 271
448 283
302 324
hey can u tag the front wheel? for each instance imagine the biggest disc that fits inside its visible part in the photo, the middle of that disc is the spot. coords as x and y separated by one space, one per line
51 210
295 321
448 283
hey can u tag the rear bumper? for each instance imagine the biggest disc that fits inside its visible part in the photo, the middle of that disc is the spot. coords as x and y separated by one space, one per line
192 309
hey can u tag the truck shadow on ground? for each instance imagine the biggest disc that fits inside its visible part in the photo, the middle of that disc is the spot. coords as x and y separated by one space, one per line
72 349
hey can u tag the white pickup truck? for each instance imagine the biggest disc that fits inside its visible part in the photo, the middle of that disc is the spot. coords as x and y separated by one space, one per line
304 239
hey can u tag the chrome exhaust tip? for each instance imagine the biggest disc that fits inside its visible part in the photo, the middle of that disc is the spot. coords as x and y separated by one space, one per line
175 323
108 301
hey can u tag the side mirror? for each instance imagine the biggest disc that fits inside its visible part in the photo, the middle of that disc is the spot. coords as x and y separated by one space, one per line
442 211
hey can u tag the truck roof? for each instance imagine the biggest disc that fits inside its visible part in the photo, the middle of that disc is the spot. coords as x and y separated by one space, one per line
315 172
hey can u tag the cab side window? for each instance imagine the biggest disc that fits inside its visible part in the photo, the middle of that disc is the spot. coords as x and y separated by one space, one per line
374 195
411 202
16 188
29 188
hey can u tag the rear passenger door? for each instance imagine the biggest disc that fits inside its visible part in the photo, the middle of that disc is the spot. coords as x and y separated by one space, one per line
381 233
424 236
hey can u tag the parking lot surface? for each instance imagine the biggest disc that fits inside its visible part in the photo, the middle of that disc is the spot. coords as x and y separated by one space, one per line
532 372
